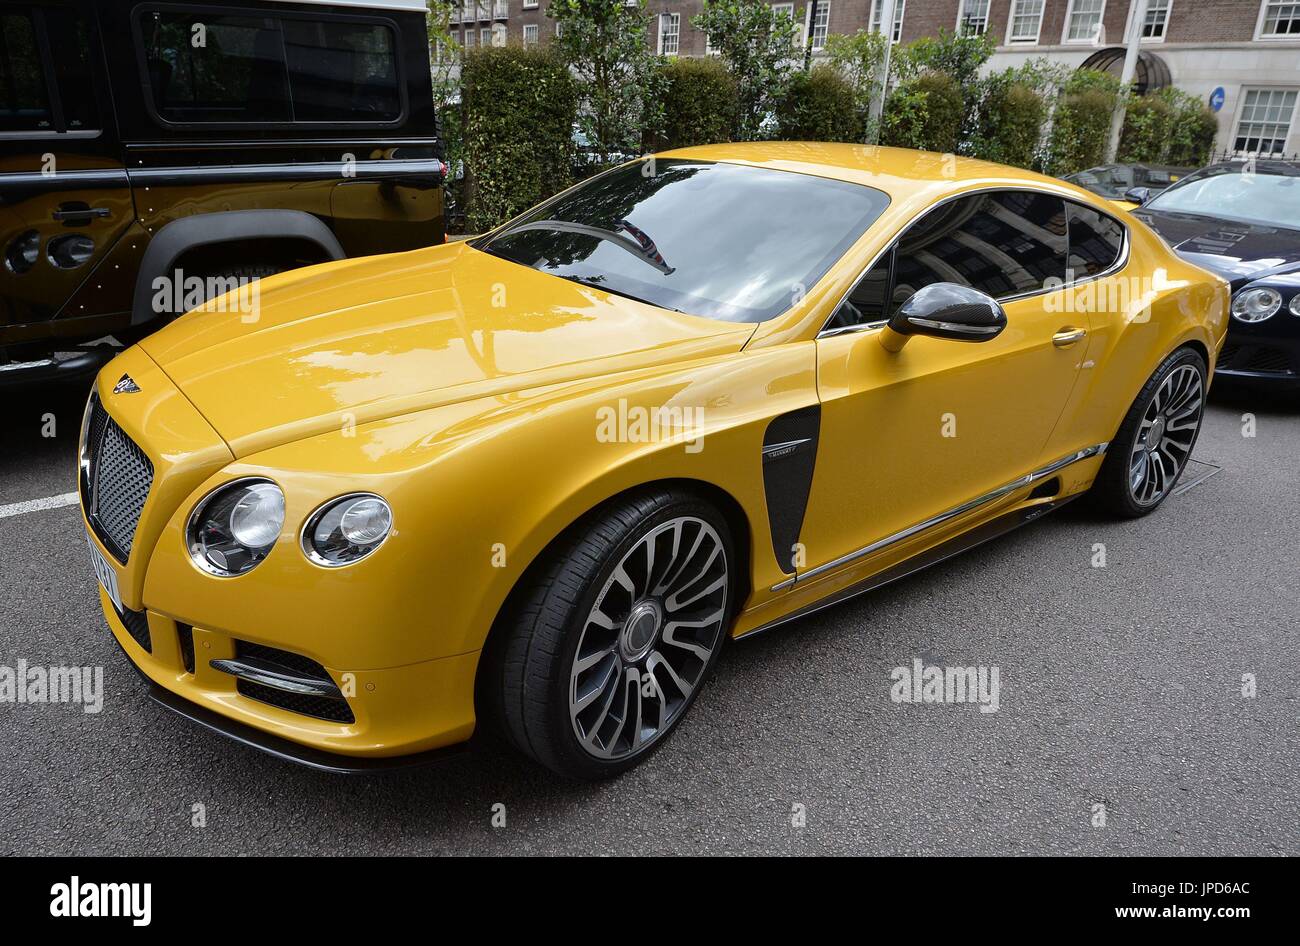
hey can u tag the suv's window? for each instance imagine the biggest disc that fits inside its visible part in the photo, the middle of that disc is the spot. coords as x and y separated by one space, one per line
24 102
257 69
71 51
344 72
1095 241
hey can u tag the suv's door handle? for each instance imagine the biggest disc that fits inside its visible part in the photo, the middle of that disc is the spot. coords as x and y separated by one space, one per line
1067 337
79 213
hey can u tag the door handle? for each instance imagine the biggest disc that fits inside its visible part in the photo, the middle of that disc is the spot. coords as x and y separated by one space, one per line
1067 337
79 214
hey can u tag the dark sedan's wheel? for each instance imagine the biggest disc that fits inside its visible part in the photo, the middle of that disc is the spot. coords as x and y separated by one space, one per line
612 640
1154 443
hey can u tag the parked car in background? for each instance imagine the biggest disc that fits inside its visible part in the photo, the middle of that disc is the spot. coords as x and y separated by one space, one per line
1241 220
153 154
691 398
1116 181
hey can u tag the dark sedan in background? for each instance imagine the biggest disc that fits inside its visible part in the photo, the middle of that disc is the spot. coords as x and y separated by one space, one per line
1241 220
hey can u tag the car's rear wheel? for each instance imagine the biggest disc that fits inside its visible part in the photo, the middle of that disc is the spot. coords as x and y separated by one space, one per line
1156 440
610 641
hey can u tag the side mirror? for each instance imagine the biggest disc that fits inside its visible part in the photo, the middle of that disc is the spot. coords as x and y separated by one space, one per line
1138 195
945 310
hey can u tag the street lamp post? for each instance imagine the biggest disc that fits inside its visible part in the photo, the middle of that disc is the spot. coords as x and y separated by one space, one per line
1138 15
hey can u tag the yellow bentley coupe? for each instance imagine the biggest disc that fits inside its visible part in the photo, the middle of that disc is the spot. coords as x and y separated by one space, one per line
536 479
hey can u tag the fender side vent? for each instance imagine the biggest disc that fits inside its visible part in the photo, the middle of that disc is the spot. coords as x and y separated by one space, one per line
1046 489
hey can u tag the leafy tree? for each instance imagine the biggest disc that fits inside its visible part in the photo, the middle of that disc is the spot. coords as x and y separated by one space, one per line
819 106
605 43
700 103
859 57
757 44
925 112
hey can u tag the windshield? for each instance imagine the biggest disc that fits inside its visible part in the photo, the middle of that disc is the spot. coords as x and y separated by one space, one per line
724 241
1258 198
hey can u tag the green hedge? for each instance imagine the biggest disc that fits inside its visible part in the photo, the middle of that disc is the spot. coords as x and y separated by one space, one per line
819 106
1081 123
1010 124
518 108
1167 127
925 113
701 103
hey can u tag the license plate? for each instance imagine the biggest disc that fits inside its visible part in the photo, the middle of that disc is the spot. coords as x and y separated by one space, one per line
104 572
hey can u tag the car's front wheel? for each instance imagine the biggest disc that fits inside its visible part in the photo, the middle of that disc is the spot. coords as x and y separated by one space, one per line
1151 450
608 644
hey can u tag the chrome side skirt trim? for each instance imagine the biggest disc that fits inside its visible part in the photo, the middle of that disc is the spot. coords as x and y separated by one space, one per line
1027 480
268 674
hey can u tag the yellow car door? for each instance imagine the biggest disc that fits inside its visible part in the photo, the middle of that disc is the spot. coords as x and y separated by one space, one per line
909 435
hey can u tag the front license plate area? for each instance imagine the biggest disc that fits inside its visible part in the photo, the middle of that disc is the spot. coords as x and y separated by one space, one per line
106 575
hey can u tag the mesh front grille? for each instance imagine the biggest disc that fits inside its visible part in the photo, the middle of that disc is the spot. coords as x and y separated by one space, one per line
116 484
322 707
1262 358
137 625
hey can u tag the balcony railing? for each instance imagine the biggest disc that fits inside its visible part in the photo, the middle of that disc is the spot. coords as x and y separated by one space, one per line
501 10
485 11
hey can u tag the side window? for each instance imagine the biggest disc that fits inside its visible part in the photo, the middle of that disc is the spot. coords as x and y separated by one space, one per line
1004 243
1096 241
71 51
216 68
24 100
866 301
342 71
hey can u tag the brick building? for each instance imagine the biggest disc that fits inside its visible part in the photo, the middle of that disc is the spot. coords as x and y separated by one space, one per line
1248 48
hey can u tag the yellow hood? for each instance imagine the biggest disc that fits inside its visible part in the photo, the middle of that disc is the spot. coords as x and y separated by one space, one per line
358 340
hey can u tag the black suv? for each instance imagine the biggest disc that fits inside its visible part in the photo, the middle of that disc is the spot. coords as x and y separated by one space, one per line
154 154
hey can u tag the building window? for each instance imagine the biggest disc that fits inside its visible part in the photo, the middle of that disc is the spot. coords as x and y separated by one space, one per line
530 4
559 29
877 12
530 34
972 17
1083 21
469 39
1280 19
670 25
1026 20
820 24
1155 24
1265 121
485 36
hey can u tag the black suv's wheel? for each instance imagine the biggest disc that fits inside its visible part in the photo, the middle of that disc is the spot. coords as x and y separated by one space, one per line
1151 450
611 641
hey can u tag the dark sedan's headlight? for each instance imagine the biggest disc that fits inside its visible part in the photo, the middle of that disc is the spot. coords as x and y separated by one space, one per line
234 528
1256 305
1295 304
347 529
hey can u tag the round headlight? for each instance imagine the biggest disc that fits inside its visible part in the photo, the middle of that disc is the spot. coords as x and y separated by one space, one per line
234 528
1256 305
346 529
1295 304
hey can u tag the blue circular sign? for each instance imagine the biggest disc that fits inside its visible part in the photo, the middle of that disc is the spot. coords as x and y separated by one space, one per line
1216 99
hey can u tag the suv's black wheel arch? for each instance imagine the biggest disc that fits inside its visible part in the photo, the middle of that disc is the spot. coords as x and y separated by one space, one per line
184 236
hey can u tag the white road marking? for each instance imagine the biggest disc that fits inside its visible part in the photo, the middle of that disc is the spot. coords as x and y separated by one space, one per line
36 505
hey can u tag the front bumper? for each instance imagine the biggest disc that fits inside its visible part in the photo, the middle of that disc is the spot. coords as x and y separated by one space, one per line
402 715
1266 352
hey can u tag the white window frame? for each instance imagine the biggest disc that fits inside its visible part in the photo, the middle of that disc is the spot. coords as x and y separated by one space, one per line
485 31
1240 116
1164 29
877 13
676 20
810 29
788 10
536 39
1263 16
961 13
530 4
1011 24
468 41
1092 40
499 36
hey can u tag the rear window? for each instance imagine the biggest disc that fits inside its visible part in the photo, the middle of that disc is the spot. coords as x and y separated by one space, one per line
220 68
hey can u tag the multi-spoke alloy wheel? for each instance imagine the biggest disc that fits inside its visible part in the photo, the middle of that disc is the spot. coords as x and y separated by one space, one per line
1155 439
648 638
1166 435
613 634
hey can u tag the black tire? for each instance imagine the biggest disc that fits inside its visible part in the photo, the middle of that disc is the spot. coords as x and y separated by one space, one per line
526 684
1113 492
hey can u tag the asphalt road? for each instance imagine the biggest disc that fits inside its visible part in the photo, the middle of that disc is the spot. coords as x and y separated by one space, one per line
1120 686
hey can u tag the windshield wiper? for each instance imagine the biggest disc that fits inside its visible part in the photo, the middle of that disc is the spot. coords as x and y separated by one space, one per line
595 282
639 245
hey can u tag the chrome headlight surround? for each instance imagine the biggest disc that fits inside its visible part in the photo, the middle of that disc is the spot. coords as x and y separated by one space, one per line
346 529
1295 304
1256 305
212 535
